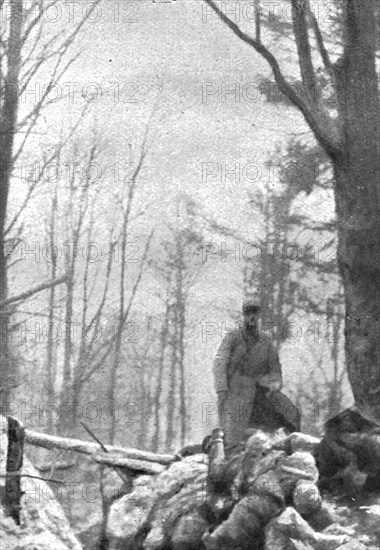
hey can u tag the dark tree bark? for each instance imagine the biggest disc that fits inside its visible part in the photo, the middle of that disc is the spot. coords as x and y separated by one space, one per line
8 120
357 195
15 455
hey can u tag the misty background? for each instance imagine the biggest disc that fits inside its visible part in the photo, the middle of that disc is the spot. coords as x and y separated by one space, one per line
169 196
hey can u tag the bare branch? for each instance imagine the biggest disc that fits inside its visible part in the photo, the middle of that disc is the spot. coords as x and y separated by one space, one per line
27 294
329 143
62 143
95 321
258 21
301 36
120 472
100 361
319 38
17 474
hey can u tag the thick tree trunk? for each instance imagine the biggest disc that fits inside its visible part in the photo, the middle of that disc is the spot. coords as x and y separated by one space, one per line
357 193
8 118
359 263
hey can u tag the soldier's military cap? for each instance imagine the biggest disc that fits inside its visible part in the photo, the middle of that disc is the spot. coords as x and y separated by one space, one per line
251 304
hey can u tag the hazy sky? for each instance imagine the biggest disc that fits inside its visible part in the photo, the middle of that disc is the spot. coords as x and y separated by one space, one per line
175 59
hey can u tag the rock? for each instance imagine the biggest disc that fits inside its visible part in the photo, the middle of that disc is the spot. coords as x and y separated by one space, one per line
178 510
290 525
300 465
188 532
348 456
352 545
43 523
321 518
350 421
243 529
161 507
302 442
306 497
128 513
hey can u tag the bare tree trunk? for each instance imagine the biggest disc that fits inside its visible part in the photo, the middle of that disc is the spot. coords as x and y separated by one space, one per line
66 391
119 329
76 210
357 175
8 119
80 364
123 312
334 322
272 274
145 401
146 389
103 539
181 320
173 364
160 378
51 345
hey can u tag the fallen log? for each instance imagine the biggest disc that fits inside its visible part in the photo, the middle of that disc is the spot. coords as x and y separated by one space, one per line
142 466
133 459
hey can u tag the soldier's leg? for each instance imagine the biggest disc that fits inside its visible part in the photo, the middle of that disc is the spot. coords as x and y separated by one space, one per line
237 413
233 424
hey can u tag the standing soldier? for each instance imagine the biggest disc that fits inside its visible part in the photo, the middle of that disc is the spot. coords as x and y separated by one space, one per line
245 358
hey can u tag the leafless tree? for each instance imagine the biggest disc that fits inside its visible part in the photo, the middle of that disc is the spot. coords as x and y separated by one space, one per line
25 49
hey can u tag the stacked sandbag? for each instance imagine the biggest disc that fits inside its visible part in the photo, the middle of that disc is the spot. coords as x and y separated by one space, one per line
265 498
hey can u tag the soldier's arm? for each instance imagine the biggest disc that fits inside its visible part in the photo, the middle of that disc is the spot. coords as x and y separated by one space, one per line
221 363
272 379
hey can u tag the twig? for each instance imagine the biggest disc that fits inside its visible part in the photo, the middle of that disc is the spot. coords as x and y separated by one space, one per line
124 476
17 474
94 437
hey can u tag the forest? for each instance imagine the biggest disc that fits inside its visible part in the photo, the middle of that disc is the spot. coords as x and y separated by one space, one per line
159 162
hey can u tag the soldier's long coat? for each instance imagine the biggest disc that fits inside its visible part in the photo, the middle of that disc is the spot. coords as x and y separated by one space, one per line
242 361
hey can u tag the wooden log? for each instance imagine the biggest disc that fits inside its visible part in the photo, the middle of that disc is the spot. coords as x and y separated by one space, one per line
133 459
15 452
136 465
